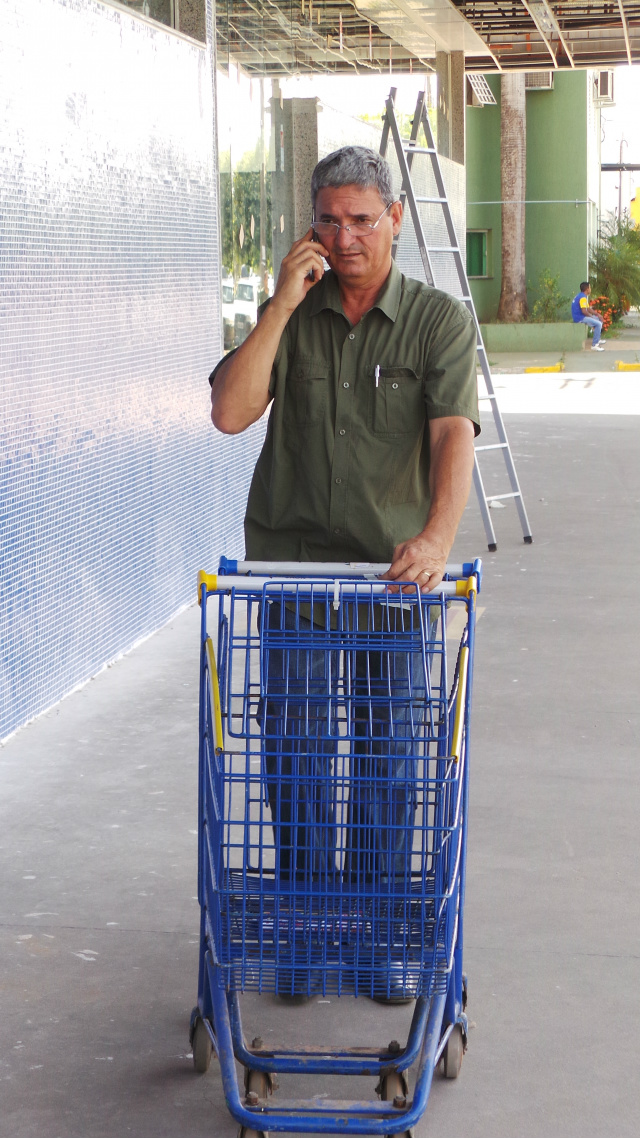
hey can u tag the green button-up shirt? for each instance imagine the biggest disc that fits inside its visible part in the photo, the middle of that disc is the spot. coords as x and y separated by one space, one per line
344 471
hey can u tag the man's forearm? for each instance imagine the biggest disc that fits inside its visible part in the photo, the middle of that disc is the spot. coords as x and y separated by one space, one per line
451 469
240 392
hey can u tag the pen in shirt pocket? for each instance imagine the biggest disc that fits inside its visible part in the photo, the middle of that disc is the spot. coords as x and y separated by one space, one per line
377 375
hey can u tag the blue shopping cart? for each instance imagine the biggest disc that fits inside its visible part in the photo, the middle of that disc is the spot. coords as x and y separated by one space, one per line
333 785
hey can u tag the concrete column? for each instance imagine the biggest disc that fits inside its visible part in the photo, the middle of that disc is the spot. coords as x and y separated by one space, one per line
458 103
451 104
443 82
296 154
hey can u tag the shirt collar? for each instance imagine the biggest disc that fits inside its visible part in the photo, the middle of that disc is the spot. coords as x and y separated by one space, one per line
326 294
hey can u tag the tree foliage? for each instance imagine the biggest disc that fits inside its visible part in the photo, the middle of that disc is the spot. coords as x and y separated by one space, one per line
614 267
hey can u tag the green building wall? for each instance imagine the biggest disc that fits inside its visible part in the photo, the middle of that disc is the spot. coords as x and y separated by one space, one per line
557 231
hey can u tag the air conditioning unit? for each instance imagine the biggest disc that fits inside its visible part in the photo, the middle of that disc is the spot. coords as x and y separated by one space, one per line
605 87
538 81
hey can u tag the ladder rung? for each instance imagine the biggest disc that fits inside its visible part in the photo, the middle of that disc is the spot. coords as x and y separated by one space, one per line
404 147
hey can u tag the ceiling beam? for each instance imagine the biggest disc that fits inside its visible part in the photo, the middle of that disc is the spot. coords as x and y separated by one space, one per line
493 55
625 30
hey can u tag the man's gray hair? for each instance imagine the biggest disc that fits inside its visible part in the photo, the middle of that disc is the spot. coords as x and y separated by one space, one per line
353 166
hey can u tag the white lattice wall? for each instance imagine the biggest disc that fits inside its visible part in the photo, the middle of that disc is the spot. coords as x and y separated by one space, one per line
114 487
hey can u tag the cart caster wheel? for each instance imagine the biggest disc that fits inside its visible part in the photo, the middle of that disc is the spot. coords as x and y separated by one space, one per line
393 1085
452 1054
202 1047
258 1082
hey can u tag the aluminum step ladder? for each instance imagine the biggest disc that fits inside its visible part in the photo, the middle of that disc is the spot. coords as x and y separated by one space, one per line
406 151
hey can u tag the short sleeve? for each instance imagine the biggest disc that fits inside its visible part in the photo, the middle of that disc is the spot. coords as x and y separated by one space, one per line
219 365
584 303
451 384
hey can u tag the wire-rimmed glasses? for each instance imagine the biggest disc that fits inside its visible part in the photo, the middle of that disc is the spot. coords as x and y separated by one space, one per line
329 229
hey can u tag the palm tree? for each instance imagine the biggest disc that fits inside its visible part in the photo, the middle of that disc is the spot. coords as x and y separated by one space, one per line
513 172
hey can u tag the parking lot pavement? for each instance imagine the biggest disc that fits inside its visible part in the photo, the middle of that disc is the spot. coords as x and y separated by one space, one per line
98 921
569 393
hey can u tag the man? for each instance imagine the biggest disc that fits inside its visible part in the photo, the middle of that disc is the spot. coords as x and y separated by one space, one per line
368 456
583 314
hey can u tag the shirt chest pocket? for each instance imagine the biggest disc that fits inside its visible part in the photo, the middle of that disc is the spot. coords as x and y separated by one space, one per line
308 386
397 401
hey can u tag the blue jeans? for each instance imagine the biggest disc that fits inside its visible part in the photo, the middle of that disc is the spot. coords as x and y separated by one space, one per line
384 694
596 324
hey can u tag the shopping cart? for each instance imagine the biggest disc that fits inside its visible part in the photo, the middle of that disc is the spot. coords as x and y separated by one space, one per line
333 775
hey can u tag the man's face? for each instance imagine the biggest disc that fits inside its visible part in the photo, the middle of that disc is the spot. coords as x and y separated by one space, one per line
587 290
359 261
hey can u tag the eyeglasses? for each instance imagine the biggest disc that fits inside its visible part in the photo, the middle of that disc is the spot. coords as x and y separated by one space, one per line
329 229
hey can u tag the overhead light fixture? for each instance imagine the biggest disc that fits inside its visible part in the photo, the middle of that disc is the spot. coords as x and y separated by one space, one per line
548 26
543 16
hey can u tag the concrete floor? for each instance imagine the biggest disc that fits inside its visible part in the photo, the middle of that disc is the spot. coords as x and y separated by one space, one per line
98 918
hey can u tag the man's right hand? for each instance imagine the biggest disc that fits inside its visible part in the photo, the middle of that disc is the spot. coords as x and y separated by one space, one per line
300 270
240 391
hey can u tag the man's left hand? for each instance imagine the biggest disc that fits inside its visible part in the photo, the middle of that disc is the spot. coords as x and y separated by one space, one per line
421 560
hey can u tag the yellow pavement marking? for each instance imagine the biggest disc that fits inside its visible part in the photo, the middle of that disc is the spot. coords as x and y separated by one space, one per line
555 367
621 366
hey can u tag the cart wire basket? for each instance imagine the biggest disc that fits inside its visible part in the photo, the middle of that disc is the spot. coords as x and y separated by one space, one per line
333 775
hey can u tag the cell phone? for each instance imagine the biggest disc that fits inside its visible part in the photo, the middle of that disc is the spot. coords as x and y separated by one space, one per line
314 237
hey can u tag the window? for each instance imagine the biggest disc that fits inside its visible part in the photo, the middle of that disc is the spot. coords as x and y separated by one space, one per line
477 243
479 93
186 16
245 292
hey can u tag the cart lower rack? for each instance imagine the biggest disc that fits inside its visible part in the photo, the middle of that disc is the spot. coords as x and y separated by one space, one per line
333 775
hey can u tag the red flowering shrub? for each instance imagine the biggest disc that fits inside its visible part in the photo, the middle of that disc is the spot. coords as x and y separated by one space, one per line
603 306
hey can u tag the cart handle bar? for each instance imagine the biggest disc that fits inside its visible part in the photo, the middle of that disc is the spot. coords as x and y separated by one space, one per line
225 584
322 568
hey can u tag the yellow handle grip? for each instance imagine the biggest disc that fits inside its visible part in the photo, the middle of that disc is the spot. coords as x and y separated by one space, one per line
218 740
458 722
208 579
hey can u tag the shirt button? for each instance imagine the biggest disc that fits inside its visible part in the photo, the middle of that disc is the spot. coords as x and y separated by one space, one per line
394 386
352 335
343 432
345 384
336 531
338 480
